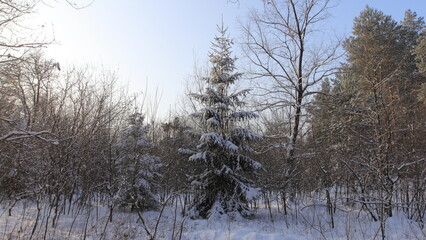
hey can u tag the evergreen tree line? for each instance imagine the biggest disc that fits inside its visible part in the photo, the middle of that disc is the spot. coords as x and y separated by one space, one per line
351 135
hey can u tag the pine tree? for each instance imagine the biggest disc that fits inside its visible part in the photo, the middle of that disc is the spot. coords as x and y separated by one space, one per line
379 82
137 168
223 186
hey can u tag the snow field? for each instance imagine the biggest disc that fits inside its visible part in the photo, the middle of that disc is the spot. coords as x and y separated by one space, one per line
303 222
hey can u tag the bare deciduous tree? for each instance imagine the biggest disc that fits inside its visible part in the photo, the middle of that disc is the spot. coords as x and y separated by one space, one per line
287 62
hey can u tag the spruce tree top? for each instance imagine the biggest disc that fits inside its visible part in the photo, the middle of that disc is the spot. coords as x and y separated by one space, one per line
216 97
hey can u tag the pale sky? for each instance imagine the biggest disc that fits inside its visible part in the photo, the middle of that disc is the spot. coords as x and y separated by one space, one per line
159 41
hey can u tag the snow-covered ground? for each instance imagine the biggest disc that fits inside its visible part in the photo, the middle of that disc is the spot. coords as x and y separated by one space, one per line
309 222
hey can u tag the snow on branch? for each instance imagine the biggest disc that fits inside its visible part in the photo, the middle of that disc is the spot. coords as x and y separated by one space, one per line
7 120
231 146
217 139
242 93
247 163
212 137
242 133
213 121
410 163
21 134
243 115
186 151
198 156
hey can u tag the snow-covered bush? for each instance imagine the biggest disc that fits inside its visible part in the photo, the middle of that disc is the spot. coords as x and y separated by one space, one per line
137 168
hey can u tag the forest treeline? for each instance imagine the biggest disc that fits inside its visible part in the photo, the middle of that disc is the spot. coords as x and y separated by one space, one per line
345 129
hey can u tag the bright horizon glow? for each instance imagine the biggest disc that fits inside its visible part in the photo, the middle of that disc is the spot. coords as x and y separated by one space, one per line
154 44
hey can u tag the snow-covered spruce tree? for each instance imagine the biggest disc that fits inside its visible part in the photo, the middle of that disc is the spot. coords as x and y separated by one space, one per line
223 186
136 167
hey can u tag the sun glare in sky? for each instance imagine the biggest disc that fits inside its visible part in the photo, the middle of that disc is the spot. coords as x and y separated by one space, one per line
154 44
